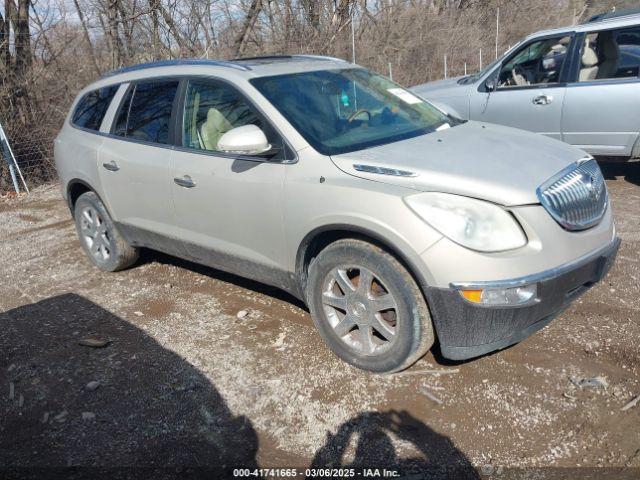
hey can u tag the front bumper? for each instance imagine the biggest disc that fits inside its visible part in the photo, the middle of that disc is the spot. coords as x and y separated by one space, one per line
466 330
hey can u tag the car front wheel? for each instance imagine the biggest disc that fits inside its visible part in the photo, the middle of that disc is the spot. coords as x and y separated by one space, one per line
367 307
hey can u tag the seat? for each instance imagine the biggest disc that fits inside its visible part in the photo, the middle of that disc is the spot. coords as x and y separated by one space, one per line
518 78
213 128
609 55
589 68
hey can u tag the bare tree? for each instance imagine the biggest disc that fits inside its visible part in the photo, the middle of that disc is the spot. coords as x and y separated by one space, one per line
115 43
249 20
87 38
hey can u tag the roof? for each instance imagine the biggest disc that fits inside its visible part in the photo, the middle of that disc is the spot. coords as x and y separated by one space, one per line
614 14
258 65
619 19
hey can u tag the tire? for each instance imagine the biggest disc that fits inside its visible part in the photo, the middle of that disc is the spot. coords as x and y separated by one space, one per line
100 240
388 334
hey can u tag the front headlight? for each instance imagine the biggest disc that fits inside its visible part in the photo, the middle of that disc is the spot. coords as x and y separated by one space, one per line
472 223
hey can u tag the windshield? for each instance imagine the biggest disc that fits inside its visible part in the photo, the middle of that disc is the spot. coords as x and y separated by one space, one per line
340 111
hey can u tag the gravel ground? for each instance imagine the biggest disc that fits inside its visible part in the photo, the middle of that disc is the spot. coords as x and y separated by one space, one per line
183 383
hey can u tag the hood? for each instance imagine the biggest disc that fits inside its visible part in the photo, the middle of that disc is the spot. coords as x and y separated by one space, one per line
441 88
499 164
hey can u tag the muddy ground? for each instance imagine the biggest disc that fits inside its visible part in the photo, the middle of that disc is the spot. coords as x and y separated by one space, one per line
185 384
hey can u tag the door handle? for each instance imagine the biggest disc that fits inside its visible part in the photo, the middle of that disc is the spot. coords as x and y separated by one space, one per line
542 100
111 166
185 181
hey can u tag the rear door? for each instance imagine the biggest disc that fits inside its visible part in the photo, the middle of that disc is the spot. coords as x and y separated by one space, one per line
529 88
602 104
134 161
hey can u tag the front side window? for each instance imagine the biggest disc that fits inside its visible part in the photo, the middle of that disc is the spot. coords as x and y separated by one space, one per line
92 108
145 113
212 109
537 63
339 111
610 54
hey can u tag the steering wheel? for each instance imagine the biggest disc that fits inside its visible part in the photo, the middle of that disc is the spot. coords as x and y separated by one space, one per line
358 112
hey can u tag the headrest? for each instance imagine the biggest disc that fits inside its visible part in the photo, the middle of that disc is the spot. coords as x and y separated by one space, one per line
214 115
589 57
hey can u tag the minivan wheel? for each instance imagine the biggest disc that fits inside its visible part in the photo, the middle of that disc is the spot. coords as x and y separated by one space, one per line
367 307
100 239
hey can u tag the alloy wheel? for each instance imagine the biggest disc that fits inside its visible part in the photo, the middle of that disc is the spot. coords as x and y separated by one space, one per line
95 234
360 309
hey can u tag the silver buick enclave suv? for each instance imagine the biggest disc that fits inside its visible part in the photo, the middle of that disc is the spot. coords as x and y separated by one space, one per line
392 220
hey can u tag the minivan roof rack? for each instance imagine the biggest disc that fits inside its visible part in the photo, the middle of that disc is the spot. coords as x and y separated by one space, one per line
179 61
614 14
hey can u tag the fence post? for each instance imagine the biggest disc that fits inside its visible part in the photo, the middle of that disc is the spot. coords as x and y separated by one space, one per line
497 29
10 158
353 42
390 72
480 59
445 66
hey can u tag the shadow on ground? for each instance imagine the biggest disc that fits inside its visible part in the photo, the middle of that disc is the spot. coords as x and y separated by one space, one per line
629 170
371 432
152 408
153 414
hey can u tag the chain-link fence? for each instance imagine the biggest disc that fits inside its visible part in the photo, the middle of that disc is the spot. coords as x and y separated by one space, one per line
32 148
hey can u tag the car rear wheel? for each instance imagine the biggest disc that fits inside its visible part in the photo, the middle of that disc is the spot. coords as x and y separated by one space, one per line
367 307
100 239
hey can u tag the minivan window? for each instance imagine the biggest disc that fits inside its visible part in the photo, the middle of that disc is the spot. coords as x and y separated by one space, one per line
147 110
339 111
610 54
92 108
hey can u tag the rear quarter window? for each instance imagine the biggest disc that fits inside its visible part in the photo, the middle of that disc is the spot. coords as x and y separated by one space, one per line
92 108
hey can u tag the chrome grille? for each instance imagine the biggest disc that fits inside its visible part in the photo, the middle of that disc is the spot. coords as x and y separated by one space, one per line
577 196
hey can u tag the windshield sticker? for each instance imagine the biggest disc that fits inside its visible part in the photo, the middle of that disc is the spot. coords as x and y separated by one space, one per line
405 96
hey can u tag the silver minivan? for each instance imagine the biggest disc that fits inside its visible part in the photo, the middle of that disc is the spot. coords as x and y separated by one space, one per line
395 222
577 84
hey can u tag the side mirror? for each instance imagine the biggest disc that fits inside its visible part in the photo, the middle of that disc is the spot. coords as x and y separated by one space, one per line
490 84
245 140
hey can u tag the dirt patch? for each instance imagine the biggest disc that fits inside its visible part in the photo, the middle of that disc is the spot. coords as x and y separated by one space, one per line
186 383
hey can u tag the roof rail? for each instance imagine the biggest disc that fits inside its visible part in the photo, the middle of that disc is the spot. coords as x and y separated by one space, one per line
267 58
171 63
614 14
321 57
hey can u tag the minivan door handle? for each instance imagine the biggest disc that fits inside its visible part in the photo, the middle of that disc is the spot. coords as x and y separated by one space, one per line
185 181
542 100
111 166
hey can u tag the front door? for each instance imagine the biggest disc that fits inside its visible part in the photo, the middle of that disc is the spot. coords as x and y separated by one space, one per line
527 88
134 162
602 105
228 208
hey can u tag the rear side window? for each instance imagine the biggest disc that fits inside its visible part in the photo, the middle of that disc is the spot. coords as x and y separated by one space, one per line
92 108
145 113
610 54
